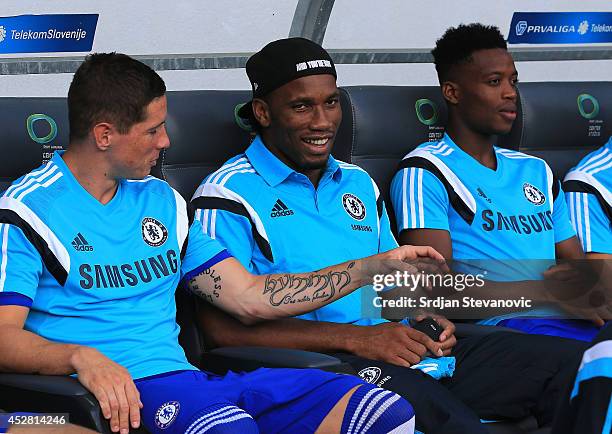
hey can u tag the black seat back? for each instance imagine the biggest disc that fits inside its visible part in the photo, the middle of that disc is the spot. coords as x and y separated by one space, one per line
203 135
563 121
381 124
32 129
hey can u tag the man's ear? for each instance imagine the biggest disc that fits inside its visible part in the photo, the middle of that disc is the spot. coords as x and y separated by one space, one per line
103 135
451 92
261 111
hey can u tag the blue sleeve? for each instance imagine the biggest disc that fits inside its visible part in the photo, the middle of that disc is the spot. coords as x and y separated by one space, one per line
202 252
20 267
231 230
590 222
419 200
386 240
561 221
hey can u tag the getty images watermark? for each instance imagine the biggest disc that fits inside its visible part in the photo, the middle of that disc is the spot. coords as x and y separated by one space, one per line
458 282
577 289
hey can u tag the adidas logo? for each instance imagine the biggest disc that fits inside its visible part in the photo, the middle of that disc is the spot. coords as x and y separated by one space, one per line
80 244
280 209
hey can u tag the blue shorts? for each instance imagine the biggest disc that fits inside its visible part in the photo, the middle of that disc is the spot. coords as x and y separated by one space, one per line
279 400
565 328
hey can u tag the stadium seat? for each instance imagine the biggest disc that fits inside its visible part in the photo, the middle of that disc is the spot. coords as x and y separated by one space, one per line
562 122
32 128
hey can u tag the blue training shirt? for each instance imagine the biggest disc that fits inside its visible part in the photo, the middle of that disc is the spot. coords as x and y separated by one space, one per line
101 275
272 219
588 188
514 214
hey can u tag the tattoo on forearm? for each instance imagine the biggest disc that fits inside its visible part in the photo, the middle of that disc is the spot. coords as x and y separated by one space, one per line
289 289
211 292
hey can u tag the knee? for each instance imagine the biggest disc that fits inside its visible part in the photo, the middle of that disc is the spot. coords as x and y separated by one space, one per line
399 416
227 419
375 410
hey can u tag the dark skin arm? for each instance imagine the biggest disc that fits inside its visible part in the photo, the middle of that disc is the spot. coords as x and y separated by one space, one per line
437 238
405 346
440 240
569 249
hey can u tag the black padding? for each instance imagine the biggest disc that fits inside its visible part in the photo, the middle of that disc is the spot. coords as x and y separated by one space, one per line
203 135
554 128
583 187
52 394
382 122
220 360
190 337
380 125
465 329
455 200
40 244
380 204
20 152
208 202
556 188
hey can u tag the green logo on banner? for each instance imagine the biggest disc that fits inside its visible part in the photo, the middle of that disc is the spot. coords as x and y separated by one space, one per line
583 112
32 119
418 106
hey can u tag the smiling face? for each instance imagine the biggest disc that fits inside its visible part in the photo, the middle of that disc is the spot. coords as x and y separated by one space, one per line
300 120
132 155
485 96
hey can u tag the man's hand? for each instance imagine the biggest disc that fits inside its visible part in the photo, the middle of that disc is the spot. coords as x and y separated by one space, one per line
410 253
579 289
112 386
411 259
392 343
447 337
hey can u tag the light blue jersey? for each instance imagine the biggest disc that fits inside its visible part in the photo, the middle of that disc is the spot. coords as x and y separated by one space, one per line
503 223
272 219
588 408
101 275
514 213
588 188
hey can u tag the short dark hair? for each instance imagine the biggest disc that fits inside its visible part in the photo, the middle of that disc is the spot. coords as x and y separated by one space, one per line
458 43
110 87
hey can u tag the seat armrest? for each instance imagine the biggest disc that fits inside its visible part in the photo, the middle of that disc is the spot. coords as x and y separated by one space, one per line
221 360
53 384
51 394
465 330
